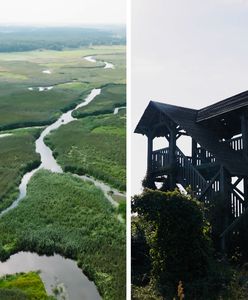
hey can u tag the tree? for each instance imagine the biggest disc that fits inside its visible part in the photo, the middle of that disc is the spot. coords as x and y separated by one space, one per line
177 234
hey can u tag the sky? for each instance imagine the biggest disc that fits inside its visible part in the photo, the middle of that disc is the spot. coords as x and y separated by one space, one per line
56 12
188 53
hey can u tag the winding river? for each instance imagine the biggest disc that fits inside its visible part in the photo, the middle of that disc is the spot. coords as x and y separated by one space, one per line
93 60
56 270
47 160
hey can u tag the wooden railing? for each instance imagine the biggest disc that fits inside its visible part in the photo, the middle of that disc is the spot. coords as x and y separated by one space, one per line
204 157
160 159
187 175
236 143
237 203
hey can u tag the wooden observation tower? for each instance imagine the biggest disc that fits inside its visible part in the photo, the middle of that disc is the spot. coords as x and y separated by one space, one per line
218 165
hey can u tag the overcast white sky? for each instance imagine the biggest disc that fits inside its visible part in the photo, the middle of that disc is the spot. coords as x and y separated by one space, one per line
188 53
53 12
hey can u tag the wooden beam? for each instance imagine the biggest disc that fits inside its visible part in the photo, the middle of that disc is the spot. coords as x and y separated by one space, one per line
149 152
172 157
209 184
234 224
246 192
244 130
194 152
237 181
225 181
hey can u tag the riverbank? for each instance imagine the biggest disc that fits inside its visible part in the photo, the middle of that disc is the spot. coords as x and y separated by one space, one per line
17 152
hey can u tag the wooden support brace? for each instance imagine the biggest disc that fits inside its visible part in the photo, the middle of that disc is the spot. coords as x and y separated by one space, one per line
210 184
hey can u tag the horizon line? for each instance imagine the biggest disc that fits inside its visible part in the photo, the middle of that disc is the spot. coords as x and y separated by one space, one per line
59 24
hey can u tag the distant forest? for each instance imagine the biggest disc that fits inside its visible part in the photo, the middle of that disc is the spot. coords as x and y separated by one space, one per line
17 39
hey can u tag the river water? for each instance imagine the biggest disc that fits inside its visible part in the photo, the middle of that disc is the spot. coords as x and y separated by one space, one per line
56 271
93 60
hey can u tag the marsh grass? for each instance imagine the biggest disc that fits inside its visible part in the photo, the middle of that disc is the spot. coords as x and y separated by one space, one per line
94 145
112 96
66 215
18 156
23 286
20 107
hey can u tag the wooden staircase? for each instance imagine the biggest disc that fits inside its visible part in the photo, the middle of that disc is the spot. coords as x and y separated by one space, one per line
204 190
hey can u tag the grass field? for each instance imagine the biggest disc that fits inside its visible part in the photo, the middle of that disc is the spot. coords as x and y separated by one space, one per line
112 95
71 75
94 145
18 156
23 286
65 215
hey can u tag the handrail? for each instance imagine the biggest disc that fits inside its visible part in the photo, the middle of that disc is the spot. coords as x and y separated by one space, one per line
189 175
235 143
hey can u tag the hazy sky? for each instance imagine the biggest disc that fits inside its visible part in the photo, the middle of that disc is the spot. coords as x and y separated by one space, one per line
189 53
63 11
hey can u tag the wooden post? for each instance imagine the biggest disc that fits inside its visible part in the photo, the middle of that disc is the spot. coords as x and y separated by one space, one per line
149 152
246 191
225 180
194 152
172 158
244 130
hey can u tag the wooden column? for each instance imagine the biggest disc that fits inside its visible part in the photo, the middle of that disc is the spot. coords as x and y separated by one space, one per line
244 130
149 152
246 191
194 152
225 181
172 158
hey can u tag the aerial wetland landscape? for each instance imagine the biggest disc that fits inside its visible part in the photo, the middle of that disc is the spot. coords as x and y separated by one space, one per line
62 163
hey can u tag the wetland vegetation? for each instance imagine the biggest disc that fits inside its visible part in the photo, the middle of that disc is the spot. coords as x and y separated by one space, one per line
23 286
103 156
112 96
61 213
17 153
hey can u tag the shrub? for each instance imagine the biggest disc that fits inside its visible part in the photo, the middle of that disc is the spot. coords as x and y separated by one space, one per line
177 234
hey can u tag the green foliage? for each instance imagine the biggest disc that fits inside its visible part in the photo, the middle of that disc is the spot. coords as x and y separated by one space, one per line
147 292
18 156
148 182
177 235
122 208
66 215
112 95
23 286
93 145
141 262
